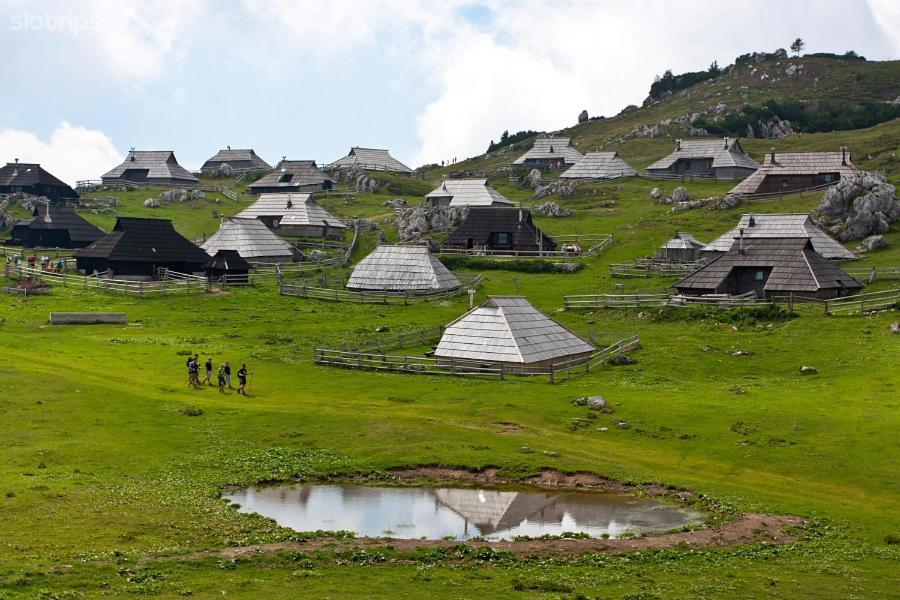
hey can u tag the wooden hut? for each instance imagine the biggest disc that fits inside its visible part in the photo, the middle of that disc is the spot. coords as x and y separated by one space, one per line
294 215
402 269
510 331
719 159
32 178
137 248
792 171
151 167
252 240
52 226
456 193
499 228
779 226
770 267
227 262
599 166
551 153
295 176
683 248
370 159
238 160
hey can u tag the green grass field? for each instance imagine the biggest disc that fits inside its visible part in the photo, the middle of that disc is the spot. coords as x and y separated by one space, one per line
106 485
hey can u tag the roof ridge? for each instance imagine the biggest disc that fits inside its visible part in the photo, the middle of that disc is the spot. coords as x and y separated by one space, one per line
512 336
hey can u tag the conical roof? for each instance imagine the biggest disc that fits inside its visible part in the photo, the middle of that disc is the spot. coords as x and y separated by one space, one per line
251 239
402 269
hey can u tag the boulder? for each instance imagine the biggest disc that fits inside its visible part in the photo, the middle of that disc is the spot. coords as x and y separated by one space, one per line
656 193
552 209
224 170
317 256
622 359
597 402
151 203
623 425
740 353
807 370
873 242
583 116
533 179
680 195
413 222
895 327
394 203
543 191
197 195
565 190
728 202
860 205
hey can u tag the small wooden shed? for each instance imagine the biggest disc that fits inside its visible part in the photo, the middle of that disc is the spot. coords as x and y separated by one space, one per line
683 248
549 152
294 215
722 159
227 262
402 269
456 193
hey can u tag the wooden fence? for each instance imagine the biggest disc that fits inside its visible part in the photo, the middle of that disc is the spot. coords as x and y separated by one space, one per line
873 274
595 243
135 288
647 267
679 176
305 289
862 303
588 301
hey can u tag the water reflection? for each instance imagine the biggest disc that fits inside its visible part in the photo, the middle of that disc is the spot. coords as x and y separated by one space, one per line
461 513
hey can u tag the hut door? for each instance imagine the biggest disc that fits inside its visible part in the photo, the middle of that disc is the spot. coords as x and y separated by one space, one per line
751 279
470 243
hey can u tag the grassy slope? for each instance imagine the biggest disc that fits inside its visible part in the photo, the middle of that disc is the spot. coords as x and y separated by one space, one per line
99 460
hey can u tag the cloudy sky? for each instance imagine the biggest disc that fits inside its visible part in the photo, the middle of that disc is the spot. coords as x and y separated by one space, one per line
85 80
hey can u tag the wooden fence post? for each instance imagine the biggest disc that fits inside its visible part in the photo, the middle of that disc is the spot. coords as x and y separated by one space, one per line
551 373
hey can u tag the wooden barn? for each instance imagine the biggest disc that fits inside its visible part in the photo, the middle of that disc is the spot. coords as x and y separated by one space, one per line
779 226
720 159
295 176
402 269
549 153
52 226
32 178
151 167
510 331
499 228
252 240
370 159
792 171
683 248
599 166
294 215
137 248
456 193
770 267
238 160
227 262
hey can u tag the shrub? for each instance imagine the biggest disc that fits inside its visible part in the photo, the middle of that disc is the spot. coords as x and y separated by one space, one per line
520 265
673 83
506 139
191 411
892 539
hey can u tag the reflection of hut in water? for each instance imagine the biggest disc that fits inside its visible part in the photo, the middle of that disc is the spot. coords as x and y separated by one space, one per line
492 510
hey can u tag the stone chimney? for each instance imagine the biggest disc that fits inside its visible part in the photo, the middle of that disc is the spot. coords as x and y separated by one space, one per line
726 143
772 156
677 145
844 155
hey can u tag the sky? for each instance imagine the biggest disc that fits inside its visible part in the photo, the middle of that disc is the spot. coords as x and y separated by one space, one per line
82 81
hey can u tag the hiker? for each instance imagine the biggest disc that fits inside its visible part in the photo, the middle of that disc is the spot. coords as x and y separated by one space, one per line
242 379
195 370
209 368
189 365
221 377
228 375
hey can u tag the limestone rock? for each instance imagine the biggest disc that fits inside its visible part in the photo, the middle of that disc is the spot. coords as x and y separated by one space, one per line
533 179
224 170
895 327
873 242
807 370
151 203
680 195
583 116
317 256
596 402
413 222
197 195
859 206
552 209
656 193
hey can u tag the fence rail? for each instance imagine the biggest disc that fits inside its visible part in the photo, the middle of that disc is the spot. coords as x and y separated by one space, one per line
595 244
862 303
136 288
587 301
678 176
651 268
874 273
305 290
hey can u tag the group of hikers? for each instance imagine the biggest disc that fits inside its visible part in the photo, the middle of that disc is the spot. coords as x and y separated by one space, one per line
223 375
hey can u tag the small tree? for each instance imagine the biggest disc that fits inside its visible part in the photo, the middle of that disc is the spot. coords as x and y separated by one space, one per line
714 67
797 46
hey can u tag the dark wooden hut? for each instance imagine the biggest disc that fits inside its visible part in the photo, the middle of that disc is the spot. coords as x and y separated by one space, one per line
138 248
227 262
53 226
721 159
683 248
770 267
32 178
238 160
499 228
294 176
791 171
549 153
150 167
370 159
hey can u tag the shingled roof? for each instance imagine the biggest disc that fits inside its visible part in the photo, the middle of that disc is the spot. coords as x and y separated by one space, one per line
725 152
292 174
796 267
25 175
797 163
239 159
227 261
160 165
509 329
370 159
291 209
251 239
788 225
600 165
683 241
402 269
483 221
136 239
548 148
53 217
468 192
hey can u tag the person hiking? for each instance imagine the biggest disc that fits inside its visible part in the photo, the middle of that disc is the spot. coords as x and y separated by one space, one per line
221 377
242 379
227 368
209 369
195 370
190 372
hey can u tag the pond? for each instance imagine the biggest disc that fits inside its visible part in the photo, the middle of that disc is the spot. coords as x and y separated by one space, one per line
458 513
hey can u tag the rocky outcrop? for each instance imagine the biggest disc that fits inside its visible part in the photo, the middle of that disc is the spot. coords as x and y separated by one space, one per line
656 194
170 196
151 203
861 205
692 204
552 209
197 195
395 203
223 170
415 221
725 203
565 190
873 242
583 116
774 128
533 179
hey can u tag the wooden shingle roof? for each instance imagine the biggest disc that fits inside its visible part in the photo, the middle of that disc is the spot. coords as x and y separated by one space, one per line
796 267
726 152
291 209
402 269
797 163
250 238
370 159
509 329
136 239
235 156
160 164
28 174
547 148
468 192
600 165
683 241
292 173
62 217
228 260
781 225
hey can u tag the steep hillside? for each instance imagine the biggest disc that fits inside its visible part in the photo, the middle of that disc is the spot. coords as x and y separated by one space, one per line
644 134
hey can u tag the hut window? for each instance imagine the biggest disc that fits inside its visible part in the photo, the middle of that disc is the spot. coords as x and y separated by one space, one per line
760 275
687 165
784 183
828 177
503 237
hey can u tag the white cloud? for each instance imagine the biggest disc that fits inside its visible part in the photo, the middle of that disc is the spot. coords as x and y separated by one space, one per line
71 153
887 15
